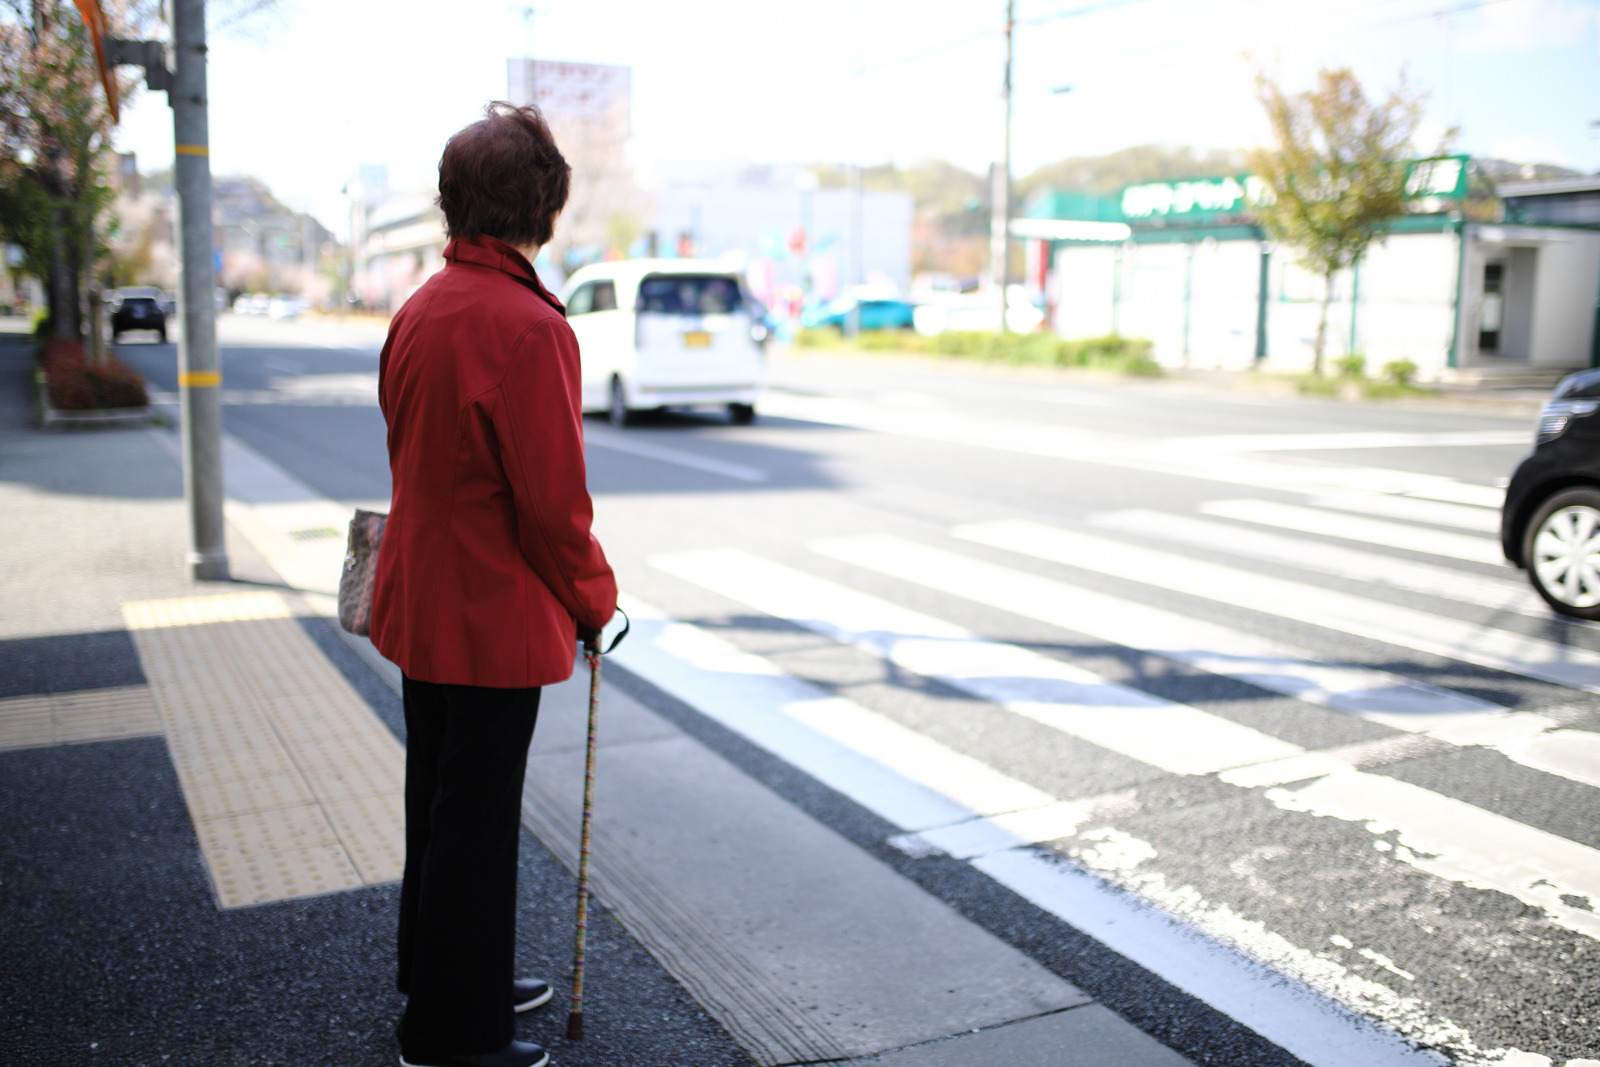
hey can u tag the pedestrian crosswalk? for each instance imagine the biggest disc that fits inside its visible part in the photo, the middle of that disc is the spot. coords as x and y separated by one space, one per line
1315 606
1173 737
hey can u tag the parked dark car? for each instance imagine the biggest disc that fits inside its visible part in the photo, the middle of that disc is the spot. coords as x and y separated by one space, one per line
139 309
1550 523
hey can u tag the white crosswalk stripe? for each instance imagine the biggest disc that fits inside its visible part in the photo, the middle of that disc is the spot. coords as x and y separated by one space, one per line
1354 564
1355 528
1463 843
1573 754
1406 627
1411 509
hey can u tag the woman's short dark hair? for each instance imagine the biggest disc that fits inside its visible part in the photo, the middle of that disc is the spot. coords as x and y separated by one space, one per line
503 177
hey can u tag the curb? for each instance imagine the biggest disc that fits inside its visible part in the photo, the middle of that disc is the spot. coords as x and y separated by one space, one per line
53 418
1454 399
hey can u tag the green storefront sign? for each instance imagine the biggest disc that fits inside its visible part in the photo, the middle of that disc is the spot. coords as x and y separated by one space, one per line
1444 177
1191 200
1201 201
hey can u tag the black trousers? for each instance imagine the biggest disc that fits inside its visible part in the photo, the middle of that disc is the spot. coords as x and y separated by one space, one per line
466 754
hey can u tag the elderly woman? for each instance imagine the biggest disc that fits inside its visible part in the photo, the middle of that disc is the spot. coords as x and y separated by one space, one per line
487 575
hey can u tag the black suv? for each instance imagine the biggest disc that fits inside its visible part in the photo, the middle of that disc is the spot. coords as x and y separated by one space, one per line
1550 525
139 309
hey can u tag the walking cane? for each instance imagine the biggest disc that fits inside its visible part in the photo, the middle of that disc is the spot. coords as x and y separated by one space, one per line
592 655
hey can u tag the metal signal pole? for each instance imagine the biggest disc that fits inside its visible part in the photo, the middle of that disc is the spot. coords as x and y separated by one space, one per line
1000 224
199 369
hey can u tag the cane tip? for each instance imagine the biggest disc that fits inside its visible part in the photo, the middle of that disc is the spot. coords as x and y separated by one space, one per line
575 1026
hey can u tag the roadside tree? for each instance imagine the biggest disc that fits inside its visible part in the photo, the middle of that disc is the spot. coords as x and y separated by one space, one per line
54 133
1334 173
55 137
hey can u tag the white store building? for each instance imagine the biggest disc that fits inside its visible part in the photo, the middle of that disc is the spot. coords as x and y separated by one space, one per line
1183 264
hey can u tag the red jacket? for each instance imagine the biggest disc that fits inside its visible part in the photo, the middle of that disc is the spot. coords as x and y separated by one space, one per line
487 559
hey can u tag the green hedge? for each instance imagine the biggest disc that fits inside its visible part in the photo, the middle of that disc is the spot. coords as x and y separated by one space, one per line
1127 355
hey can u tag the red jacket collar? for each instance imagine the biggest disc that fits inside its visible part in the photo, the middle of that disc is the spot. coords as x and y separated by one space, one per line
485 251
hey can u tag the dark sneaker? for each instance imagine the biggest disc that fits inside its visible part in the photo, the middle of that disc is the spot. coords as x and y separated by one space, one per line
528 993
516 1054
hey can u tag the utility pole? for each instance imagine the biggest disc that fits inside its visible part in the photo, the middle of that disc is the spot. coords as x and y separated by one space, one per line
1000 219
199 370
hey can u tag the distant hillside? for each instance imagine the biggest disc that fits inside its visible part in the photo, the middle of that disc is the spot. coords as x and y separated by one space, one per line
1500 171
950 229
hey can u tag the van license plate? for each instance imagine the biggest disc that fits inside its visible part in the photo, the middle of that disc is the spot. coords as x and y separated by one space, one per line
697 339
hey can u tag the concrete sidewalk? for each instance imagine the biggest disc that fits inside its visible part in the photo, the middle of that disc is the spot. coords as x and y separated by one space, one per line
200 785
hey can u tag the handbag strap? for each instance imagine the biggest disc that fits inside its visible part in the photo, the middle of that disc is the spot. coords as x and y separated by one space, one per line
627 624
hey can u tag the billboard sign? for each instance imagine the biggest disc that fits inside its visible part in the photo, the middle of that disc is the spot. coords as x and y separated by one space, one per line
593 94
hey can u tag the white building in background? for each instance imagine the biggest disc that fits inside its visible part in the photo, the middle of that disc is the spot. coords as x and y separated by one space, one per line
773 222
403 247
1182 264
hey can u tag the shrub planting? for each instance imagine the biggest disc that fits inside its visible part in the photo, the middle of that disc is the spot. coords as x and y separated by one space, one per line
75 384
1400 371
1354 366
1113 353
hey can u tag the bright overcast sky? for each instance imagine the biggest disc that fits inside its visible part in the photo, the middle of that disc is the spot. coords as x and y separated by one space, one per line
320 87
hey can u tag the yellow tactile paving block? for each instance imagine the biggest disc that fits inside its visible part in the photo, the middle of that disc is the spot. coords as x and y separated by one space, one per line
25 721
350 756
260 879
200 610
299 721
201 744
293 784
265 832
211 798
81 715
372 830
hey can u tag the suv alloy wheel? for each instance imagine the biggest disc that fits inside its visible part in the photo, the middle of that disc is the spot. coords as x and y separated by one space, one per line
1561 548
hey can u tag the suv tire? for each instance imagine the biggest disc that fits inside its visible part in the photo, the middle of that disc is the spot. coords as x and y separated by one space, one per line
1561 548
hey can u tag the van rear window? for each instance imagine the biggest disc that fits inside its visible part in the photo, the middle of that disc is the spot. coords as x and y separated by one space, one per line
689 294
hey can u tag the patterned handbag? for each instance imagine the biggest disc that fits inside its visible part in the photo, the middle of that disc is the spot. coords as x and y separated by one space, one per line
360 570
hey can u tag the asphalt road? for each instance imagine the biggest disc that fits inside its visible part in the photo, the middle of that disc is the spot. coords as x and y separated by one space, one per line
1262 649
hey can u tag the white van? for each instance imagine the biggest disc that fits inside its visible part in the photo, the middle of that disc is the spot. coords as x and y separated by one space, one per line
658 333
